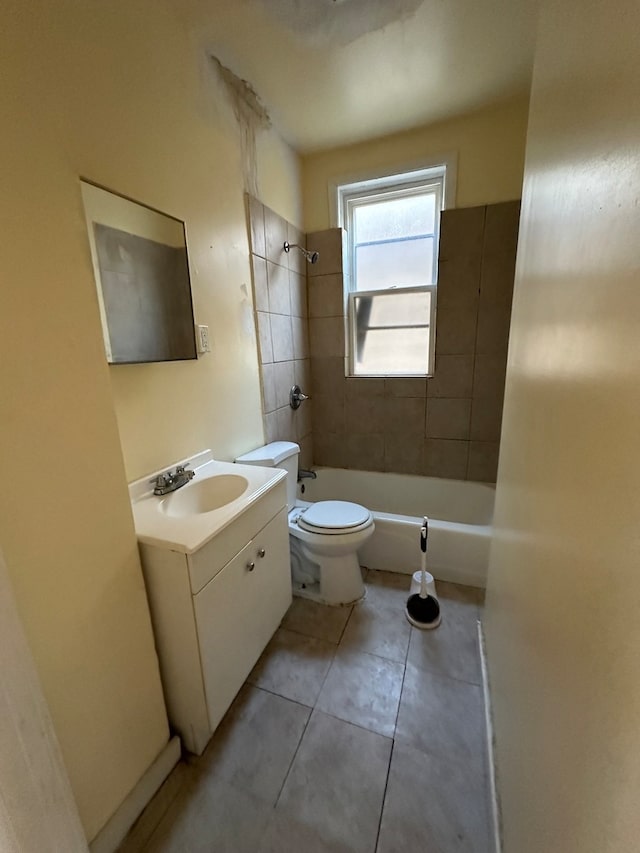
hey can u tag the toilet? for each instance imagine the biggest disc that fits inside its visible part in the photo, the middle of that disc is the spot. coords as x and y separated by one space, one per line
324 537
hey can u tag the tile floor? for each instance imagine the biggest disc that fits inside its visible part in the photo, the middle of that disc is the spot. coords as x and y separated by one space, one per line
354 733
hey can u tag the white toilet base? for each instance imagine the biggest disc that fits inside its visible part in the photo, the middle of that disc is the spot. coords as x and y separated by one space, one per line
340 578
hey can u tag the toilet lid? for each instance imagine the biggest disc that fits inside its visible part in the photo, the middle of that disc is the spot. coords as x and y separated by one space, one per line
334 515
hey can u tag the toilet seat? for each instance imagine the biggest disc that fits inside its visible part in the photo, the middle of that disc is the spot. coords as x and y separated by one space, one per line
334 517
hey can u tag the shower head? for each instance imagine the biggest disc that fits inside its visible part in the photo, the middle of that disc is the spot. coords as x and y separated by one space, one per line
312 257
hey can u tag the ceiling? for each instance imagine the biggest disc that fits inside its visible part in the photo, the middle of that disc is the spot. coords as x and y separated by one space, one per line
334 72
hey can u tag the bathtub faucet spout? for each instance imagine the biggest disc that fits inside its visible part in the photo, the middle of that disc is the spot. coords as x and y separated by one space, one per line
303 474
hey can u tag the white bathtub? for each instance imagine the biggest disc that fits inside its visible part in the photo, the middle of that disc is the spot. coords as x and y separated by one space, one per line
460 517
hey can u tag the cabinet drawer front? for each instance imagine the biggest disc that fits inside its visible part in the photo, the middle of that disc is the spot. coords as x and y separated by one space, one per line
238 612
207 562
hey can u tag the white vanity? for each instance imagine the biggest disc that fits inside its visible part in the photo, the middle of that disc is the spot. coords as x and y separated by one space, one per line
215 556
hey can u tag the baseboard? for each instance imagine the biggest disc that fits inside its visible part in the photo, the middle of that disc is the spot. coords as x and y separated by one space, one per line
114 831
493 782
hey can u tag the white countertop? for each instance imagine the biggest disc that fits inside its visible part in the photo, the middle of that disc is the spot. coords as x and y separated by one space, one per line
189 533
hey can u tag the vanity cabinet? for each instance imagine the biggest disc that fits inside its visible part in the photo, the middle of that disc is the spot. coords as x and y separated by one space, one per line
215 610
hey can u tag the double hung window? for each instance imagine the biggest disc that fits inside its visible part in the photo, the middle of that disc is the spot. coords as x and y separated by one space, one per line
392 229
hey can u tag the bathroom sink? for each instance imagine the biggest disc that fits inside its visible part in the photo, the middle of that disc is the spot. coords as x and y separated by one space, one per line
220 494
205 495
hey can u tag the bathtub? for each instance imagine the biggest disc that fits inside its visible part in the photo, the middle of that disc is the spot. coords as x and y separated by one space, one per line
460 520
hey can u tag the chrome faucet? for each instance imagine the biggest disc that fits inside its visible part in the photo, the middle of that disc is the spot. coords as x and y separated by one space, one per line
169 482
303 474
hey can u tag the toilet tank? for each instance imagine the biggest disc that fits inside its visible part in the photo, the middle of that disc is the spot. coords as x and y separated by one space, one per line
278 454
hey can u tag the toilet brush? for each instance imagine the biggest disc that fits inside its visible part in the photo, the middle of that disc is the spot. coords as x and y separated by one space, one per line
423 610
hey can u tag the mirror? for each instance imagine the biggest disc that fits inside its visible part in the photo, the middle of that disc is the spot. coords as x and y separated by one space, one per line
142 276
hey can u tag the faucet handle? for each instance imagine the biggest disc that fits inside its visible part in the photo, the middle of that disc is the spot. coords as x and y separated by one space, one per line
180 469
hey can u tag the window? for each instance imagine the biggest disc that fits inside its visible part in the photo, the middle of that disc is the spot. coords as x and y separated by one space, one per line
392 227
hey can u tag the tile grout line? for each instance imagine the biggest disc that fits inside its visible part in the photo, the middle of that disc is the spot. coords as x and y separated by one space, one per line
384 795
293 758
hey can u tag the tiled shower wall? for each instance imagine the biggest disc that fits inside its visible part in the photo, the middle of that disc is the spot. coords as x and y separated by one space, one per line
280 300
447 425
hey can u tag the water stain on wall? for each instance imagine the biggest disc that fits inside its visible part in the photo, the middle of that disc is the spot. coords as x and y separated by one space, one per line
252 117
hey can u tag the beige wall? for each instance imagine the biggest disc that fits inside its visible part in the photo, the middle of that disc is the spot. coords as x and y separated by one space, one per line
125 98
490 156
563 634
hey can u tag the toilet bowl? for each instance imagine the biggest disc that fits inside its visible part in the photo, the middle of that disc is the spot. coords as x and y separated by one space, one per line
324 537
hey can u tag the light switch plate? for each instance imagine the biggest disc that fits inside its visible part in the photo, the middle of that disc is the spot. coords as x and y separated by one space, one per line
202 339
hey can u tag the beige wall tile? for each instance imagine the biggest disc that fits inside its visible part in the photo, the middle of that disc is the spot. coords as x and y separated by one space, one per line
497 278
493 328
358 386
364 414
459 279
298 295
329 245
282 337
283 380
326 296
405 387
275 233
286 424
486 419
327 375
256 226
365 452
330 449
453 376
404 455
279 297
461 232
303 419
446 458
501 229
483 461
300 333
328 414
326 337
456 329
404 415
260 287
270 427
269 402
302 374
489 375
448 418
305 460
264 337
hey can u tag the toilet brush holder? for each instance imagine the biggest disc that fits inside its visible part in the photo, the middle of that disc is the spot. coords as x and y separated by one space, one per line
415 584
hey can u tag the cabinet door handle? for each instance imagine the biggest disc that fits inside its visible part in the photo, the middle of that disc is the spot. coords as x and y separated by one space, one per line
251 566
261 552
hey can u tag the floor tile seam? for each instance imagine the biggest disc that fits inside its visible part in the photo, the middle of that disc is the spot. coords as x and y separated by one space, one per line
360 651
439 672
308 636
351 723
344 627
404 675
403 741
363 650
293 758
282 696
384 794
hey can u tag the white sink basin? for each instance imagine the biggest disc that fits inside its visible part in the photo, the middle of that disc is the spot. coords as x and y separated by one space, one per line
204 495
219 494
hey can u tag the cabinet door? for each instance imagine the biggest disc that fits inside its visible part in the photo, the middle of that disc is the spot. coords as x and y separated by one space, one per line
238 612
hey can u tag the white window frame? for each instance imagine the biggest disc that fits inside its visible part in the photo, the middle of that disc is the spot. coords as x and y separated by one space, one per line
348 195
